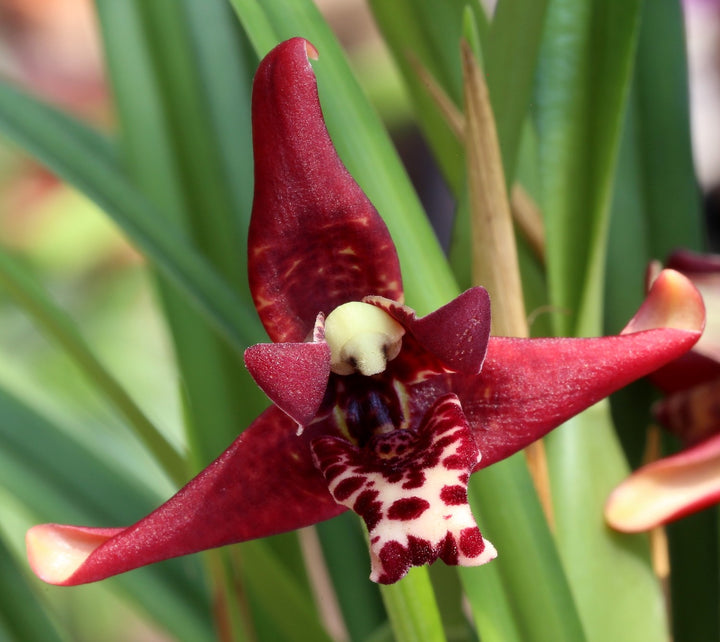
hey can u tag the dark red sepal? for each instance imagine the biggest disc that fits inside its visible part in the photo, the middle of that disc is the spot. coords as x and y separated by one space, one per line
293 375
265 483
527 387
457 333
315 240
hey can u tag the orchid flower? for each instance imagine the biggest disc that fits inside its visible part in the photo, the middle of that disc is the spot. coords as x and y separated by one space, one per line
688 481
374 408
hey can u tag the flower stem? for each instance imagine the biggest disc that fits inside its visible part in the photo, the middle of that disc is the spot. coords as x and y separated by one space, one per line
412 608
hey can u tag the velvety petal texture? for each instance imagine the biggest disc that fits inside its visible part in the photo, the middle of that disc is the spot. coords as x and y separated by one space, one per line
398 443
293 375
457 333
264 483
315 240
527 387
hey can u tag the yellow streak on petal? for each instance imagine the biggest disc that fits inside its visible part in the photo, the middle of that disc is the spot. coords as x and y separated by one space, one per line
56 552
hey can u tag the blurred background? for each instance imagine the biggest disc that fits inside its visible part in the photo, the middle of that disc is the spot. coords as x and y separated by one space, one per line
51 48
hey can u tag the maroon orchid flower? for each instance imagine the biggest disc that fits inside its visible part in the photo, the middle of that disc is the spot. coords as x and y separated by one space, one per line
688 481
375 409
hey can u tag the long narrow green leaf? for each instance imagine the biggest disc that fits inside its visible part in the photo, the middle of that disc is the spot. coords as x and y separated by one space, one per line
59 327
586 464
583 83
192 141
153 125
657 209
58 479
420 36
348 563
412 608
62 144
510 516
272 585
584 79
510 54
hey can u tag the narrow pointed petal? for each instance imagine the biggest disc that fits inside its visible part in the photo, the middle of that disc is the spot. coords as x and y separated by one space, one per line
315 239
667 489
265 483
411 490
457 333
672 302
527 387
293 375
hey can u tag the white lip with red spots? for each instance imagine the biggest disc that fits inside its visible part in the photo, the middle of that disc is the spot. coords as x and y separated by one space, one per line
411 490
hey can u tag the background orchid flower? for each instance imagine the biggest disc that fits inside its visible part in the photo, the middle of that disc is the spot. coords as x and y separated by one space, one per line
681 484
375 409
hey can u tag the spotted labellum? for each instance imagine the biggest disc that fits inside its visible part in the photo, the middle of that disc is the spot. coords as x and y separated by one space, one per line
374 408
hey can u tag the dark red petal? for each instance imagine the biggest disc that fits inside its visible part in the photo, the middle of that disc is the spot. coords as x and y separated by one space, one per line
690 370
530 386
457 333
265 483
315 239
293 375
688 262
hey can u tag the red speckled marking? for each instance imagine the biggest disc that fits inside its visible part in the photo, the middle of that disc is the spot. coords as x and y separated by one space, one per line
414 505
407 508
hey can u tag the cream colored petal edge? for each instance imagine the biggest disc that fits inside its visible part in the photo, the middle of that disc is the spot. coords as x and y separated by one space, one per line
667 489
55 552
672 302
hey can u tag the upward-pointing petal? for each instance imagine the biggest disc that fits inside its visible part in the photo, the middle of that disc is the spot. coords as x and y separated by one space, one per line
265 483
315 240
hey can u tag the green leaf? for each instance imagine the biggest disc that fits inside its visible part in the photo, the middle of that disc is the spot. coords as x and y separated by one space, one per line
271 584
60 328
657 209
509 514
84 160
58 479
617 593
348 563
197 183
420 35
412 608
22 616
510 55
657 206
583 82
694 578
